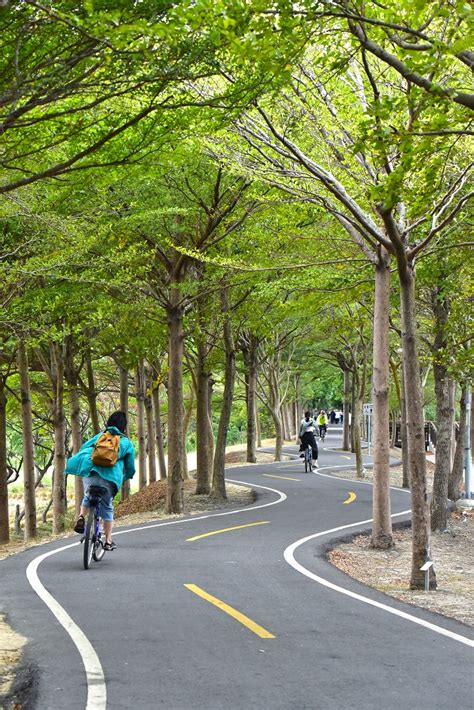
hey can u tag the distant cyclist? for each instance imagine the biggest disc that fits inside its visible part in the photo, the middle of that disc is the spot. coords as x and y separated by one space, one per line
110 476
322 422
306 433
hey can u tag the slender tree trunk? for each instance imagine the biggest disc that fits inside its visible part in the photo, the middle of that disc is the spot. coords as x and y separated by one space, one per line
28 448
218 474
356 435
140 397
4 515
203 452
258 429
277 421
250 358
355 417
456 476
70 375
123 377
59 492
382 522
444 414
160 448
150 428
176 446
187 413
346 445
415 428
406 475
91 394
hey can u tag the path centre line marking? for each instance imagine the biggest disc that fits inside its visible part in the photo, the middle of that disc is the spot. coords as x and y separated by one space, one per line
216 532
351 499
290 558
269 475
237 615
96 688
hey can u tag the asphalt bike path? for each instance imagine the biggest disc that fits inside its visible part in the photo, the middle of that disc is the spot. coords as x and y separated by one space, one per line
250 616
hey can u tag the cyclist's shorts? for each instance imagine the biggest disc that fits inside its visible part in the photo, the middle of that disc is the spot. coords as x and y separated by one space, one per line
106 507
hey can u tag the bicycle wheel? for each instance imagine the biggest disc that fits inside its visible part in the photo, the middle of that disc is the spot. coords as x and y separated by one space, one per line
99 551
89 539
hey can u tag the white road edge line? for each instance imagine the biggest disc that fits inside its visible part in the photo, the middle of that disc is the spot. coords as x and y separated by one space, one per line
290 559
96 686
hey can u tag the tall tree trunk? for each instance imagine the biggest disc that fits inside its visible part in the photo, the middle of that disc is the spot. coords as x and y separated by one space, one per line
406 475
415 428
123 377
277 421
187 414
218 473
456 476
356 434
382 522
91 394
140 397
250 359
28 448
258 428
4 516
70 375
160 448
150 428
355 417
346 443
176 445
444 414
203 451
59 492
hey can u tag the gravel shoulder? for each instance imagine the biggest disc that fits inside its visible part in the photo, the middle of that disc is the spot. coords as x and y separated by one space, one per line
389 570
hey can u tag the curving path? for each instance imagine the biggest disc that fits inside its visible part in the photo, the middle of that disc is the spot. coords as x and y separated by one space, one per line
250 616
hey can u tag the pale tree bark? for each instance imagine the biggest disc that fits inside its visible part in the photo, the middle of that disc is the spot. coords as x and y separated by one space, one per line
57 382
28 448
258 428
444 413
455 483
4 516
176 445
140 397
91 393
346 408
160 448
70 374
421 537
382 537
404 435
123 378
150 428
203 423
218 474
187 414
249 351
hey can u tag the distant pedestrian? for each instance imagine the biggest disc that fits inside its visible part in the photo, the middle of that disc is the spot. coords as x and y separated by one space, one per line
332 416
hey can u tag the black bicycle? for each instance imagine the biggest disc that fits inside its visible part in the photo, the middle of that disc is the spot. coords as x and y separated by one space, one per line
94 537
322 432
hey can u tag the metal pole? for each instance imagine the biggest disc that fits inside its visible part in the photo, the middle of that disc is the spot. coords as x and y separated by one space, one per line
467 463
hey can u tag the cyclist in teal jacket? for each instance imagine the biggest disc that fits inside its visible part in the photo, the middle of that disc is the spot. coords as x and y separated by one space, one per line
110 477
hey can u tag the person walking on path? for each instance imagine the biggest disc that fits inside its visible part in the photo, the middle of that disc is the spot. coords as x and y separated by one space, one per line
306 433
109 473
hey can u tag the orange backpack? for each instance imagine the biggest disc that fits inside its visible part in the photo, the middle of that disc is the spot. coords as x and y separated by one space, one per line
106 449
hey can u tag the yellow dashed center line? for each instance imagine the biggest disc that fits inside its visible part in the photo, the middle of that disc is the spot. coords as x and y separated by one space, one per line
256 628
216 532
351 499
286 478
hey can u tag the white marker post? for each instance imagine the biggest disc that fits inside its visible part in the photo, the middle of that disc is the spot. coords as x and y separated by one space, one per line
426 569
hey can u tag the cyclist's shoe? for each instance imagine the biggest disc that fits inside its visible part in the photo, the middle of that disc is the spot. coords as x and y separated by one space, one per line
80 525
301 456
110 546
315 464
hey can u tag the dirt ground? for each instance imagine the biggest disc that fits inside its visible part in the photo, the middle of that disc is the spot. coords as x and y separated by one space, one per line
389 570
